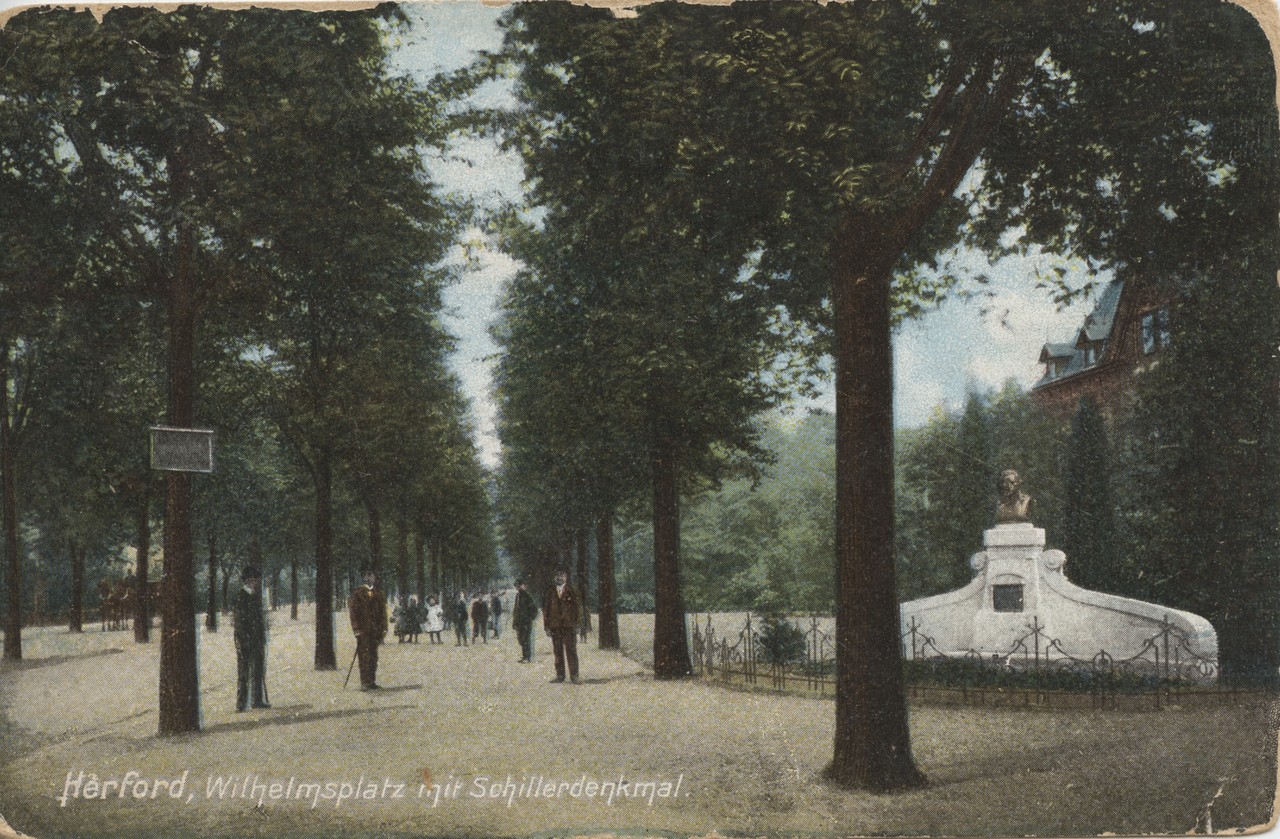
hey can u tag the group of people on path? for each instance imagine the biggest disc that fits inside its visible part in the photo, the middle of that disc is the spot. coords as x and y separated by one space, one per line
482 614
367 610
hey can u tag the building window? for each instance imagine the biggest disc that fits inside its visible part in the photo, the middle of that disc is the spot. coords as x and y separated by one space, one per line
1155 331
1006 597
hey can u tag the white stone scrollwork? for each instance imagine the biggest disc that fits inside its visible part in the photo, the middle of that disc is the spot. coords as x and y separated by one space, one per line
1053 559
978 561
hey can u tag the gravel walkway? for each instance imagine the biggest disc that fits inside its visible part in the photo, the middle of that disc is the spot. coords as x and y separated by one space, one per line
514 755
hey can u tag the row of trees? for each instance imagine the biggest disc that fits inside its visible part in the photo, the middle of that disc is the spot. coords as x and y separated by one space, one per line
223 219
722 194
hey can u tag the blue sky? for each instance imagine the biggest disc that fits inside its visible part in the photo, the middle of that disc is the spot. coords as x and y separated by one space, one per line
938 358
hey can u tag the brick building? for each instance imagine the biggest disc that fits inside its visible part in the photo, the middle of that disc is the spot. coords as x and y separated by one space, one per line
1120 339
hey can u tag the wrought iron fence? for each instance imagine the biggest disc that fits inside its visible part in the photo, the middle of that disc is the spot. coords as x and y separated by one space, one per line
1036 670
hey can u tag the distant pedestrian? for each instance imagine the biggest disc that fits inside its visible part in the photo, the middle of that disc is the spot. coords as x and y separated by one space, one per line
523 612
367 609
409 621
435 620
495 613
251 642
480 618
460 620
560 614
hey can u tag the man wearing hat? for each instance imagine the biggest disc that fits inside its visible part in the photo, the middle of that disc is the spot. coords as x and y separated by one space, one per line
560 617
367 608
523 613
251 642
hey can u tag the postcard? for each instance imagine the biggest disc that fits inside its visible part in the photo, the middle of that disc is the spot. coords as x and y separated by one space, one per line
781 419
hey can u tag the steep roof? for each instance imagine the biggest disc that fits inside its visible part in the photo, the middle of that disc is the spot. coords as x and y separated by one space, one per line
1096 327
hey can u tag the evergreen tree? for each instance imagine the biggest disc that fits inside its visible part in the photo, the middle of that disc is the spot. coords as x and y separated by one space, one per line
1088 523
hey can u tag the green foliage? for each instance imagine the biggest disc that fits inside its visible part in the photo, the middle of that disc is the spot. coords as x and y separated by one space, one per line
1201 449
767 544
275 157
781 642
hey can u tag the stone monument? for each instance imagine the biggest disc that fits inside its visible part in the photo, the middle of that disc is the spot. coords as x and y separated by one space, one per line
1018 586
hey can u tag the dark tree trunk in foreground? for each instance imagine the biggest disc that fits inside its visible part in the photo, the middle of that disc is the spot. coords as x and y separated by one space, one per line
293 585
13 568
326 656
76 624
142 572
605 585
584 575
211 617
670 634
872 739
179 676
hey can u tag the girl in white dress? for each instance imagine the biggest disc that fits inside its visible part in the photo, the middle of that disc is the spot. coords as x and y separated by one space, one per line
435 620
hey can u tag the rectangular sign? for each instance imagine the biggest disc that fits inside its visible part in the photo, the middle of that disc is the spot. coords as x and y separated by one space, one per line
181 449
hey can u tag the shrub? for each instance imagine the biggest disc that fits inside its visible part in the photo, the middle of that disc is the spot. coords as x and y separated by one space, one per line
781 642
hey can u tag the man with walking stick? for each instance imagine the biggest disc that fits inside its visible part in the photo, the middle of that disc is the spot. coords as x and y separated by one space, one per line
367 609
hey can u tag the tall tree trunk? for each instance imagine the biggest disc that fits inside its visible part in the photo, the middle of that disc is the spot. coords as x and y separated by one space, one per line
142 571
605 585
670 633
13 568
872 741
326 656
402 560
77 588
211 618
375 539
179 675
584 575
437 564
293 585
420 555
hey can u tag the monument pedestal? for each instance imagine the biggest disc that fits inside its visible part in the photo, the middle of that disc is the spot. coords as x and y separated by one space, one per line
1020 601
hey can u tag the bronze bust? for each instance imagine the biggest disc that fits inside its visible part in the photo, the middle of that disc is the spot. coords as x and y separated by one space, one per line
1014 504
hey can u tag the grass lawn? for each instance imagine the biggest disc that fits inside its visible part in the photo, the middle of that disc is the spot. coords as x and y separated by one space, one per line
731 762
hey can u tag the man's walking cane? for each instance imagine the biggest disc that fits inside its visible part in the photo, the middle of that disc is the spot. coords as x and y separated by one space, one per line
353 665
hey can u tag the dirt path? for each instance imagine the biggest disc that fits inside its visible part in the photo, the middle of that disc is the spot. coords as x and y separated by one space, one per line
349 762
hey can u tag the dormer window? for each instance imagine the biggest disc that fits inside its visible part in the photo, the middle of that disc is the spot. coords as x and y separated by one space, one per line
1155 331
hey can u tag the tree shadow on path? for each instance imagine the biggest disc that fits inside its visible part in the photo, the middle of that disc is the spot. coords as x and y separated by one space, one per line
604 681
282 716
37 663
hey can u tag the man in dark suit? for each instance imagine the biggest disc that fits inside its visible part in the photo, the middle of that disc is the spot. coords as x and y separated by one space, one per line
495 613
367 609
560 614
480 618
459 615
523 612
251 642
